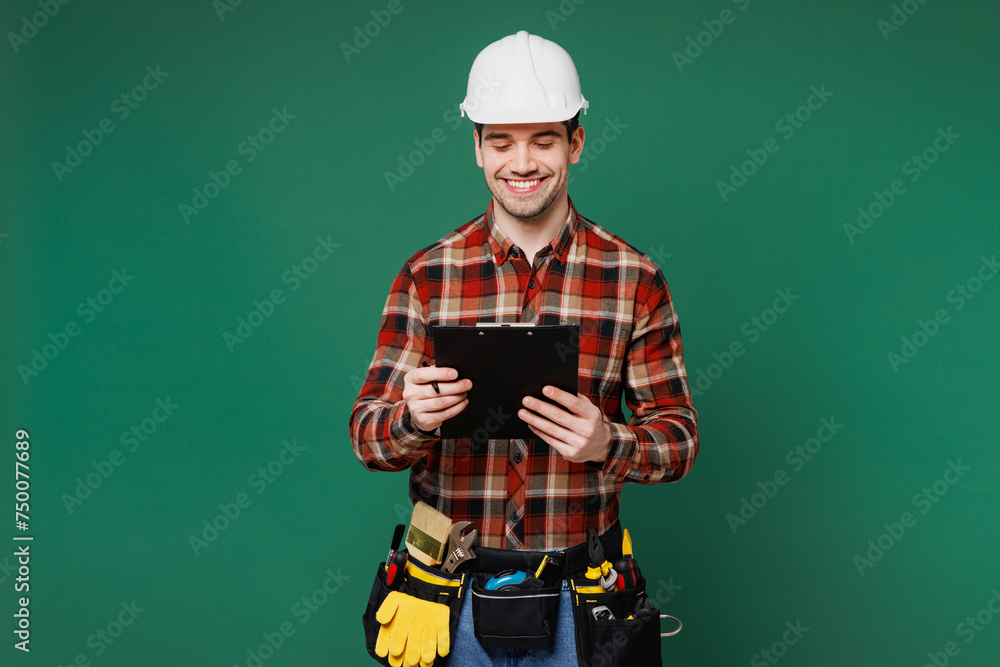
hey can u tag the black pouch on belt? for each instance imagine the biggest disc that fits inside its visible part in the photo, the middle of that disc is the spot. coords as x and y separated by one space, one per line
516 617
419 581
617 628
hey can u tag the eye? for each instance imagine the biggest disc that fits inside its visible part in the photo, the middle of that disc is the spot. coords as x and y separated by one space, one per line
545 145
501 147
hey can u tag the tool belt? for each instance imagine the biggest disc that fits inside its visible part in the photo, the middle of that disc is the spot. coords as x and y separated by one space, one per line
613 627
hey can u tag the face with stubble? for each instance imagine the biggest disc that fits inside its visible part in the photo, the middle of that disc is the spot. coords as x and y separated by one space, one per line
526 166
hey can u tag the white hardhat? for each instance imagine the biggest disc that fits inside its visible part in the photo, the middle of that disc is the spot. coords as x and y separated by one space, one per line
523 78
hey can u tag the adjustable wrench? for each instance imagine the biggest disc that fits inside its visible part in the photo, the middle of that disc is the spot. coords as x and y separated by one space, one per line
459 546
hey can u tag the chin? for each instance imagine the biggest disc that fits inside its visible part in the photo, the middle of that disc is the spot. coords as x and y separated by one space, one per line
521 212
526 210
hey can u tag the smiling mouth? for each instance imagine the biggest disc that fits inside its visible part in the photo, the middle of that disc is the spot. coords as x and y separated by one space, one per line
523 185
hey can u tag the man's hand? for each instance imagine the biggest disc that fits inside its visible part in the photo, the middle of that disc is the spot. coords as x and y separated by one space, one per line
579 432
427 407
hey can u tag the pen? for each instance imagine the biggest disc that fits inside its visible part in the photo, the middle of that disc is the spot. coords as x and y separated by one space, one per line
437 389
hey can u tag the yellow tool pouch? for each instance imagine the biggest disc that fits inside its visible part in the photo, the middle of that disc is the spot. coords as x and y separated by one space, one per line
413 625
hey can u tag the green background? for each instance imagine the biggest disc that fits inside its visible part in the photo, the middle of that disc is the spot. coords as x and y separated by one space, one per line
653 182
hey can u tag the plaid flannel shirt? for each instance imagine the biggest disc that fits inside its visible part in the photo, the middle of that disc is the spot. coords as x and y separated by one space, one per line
522 494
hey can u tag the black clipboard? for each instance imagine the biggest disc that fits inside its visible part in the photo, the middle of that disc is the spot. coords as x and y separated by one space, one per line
505 362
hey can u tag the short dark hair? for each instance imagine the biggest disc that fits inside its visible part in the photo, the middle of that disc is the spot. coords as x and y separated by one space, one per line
570 124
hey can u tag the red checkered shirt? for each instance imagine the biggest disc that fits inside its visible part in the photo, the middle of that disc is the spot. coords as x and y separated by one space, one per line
522 494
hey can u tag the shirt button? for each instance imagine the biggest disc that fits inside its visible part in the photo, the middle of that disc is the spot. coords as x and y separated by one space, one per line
531 284
517 457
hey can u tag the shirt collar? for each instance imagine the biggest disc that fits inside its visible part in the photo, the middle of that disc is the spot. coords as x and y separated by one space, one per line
501 245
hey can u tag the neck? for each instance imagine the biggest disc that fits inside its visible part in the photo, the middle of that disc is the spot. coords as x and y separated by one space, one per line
533 234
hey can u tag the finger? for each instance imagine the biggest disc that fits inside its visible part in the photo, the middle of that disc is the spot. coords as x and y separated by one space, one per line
565 449
434 404
561 447
388 608
444 640
382 641
427 374
429 648
575 403
553 413
428 421
441 415
458 387
397 644
451 412
414 644
555 432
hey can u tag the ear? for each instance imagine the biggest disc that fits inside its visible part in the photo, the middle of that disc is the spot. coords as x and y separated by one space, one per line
576 145
479 152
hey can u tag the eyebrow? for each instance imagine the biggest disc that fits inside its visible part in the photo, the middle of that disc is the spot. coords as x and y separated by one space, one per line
506 135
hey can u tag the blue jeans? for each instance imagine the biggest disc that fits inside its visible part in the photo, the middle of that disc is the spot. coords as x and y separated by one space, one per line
467 652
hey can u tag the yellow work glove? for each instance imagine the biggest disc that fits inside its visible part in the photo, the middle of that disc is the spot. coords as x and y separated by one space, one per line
413 631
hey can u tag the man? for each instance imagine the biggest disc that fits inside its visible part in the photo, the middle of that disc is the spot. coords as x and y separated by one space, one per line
531 258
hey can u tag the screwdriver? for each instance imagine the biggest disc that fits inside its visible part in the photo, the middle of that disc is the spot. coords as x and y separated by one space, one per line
396 562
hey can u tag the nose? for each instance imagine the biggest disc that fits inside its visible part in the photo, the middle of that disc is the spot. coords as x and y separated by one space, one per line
522 162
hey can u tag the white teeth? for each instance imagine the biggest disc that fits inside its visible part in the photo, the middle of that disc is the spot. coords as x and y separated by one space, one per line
524 185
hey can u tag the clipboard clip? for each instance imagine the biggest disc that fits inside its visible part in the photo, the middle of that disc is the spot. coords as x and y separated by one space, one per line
513 325
523 325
